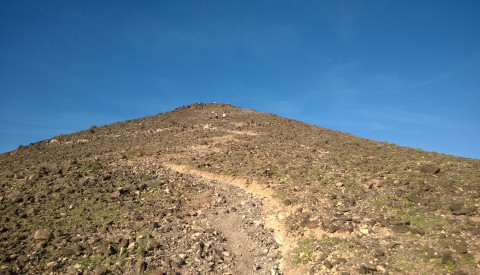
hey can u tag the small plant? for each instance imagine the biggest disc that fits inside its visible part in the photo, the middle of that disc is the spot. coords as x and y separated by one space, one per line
142 246
304 251
419 150
468 259
281 196
358 142
92 129
90 262
384 199
92 166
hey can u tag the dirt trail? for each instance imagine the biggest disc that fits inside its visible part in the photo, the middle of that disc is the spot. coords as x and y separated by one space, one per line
273 210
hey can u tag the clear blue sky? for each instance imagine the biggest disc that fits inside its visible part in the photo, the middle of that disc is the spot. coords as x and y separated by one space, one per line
406 72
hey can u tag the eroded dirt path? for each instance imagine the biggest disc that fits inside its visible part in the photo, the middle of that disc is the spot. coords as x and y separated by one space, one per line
273 211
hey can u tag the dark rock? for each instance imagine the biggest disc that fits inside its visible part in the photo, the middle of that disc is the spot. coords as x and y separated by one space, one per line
16 199
100 270
152 244
323 256
417 231
333 228
416 198
379 253
400 228
447 258
312 224
78 248
109 250
460 212
327 264
430 169
57 233
340 261
366 270
155 225
455 207
392 245
460 248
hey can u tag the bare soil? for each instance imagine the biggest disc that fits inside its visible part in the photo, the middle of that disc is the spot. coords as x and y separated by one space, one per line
185 193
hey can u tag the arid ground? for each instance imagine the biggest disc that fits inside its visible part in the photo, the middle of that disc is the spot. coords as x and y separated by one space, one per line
186 193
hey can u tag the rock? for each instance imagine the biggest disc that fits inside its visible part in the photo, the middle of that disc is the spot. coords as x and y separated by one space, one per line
77 249
416 198
312 224
368 185
16 199
460 212
392 245
333 228
327 264
366 270
430 169
100 270
152 244
378 254
376 183
381 269
417 231
177 260
154 225
19 175
109 250
340 261
43 235
400 228
326 221
455 207
140 267
364 231
51 265
123 244
460 248
447 259
324 256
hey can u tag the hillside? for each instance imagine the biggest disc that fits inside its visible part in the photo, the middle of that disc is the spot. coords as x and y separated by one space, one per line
253 193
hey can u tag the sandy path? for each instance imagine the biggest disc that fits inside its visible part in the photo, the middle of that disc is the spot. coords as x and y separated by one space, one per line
273 210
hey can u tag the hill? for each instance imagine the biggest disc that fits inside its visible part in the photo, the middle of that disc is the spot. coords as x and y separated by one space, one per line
253 193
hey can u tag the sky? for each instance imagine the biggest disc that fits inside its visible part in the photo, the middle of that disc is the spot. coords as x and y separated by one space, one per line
406 72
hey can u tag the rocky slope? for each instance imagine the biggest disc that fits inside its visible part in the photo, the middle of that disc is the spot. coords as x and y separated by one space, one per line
184 192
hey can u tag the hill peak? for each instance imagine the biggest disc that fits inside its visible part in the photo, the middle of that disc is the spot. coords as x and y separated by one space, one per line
187 191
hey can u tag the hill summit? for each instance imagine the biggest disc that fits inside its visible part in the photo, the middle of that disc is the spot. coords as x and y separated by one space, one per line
191 192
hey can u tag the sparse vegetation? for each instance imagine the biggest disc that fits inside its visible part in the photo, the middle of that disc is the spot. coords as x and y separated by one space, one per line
136 196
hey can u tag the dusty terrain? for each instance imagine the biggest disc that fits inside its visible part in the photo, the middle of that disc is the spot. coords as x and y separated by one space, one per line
185 193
